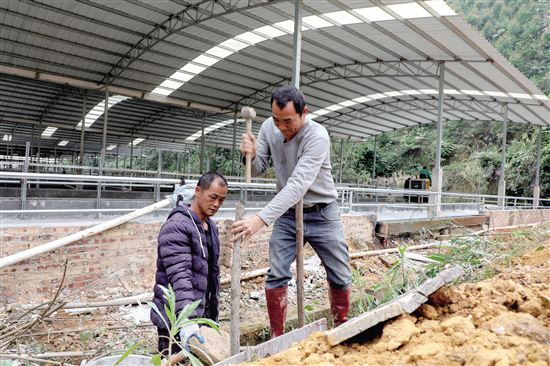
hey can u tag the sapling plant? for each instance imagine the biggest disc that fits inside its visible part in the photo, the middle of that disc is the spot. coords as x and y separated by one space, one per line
176 321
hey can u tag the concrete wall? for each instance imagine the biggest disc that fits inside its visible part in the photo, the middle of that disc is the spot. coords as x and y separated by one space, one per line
115 263
501 218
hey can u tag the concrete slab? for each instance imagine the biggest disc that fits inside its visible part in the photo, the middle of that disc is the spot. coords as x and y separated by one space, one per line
411 301
363 322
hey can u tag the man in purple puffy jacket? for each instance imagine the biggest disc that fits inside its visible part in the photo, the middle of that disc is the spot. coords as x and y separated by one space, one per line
188 259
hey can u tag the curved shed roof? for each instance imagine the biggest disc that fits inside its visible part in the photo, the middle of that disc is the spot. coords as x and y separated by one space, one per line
367 67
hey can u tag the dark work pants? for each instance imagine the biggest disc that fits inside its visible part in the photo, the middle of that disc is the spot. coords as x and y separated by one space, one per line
164 342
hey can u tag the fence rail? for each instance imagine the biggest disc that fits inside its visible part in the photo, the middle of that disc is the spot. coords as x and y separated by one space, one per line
351 199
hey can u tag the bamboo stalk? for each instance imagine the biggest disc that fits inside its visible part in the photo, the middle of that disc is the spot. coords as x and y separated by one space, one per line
78 330
52 354
7 356
369 253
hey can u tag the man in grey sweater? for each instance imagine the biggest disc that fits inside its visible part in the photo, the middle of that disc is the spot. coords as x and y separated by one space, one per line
300 150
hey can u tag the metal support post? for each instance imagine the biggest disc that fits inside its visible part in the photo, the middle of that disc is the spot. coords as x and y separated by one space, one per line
144 158
103 148
117 145
502 180
132 152
39 150
435 197
536 186
201 164
341 160
82 134
186 161
82 130
234 147
159 170
24 180
374 163
105 124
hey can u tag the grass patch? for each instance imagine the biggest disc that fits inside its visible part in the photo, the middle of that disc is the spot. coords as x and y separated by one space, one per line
481 257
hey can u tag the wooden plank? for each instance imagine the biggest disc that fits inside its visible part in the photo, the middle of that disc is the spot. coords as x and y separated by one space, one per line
275 345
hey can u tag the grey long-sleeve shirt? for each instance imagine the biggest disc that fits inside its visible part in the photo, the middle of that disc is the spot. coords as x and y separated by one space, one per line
302 166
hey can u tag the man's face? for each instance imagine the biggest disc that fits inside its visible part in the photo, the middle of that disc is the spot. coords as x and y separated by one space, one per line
210 200
287 120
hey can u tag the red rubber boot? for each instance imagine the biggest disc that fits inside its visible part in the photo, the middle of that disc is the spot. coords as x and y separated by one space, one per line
277 302
339 304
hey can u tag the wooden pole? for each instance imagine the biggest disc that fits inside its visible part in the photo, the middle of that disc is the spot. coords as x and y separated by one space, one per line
248 114
299 218
300 262
235 321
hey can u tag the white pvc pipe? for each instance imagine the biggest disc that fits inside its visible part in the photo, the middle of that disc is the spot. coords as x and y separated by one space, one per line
29 253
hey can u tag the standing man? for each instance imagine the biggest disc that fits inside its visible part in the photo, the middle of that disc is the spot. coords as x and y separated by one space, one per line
300 150
188 260
425 174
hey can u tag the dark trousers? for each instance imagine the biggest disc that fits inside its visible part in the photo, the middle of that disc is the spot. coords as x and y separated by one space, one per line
164 342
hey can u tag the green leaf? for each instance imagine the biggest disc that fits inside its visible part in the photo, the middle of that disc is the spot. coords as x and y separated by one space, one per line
194 360
439 257
126 354
153 306
85 336
189 308
156 360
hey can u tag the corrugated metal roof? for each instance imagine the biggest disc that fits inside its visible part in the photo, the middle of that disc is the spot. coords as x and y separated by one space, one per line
383 67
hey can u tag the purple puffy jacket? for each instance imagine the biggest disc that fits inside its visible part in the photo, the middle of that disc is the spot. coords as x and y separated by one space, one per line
183 263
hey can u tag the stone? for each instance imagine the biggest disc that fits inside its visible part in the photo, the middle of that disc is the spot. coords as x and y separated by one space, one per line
428 311
521 324
216 346
255 295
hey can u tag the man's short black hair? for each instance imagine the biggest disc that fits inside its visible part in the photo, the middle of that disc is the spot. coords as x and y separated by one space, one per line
288 93
206 180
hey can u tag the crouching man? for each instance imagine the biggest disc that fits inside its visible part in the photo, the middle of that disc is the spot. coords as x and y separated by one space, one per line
188 260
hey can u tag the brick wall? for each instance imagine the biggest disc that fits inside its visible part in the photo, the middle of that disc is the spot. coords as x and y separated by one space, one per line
115 263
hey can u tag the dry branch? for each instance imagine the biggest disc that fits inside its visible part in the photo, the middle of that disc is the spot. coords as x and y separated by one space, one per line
13 331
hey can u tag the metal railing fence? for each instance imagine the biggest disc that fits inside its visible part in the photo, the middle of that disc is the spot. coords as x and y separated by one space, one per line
351 199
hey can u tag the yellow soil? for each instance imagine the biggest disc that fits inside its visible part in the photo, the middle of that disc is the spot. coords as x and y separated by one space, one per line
501 321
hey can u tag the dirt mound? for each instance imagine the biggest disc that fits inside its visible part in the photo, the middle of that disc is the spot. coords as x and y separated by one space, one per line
501 321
